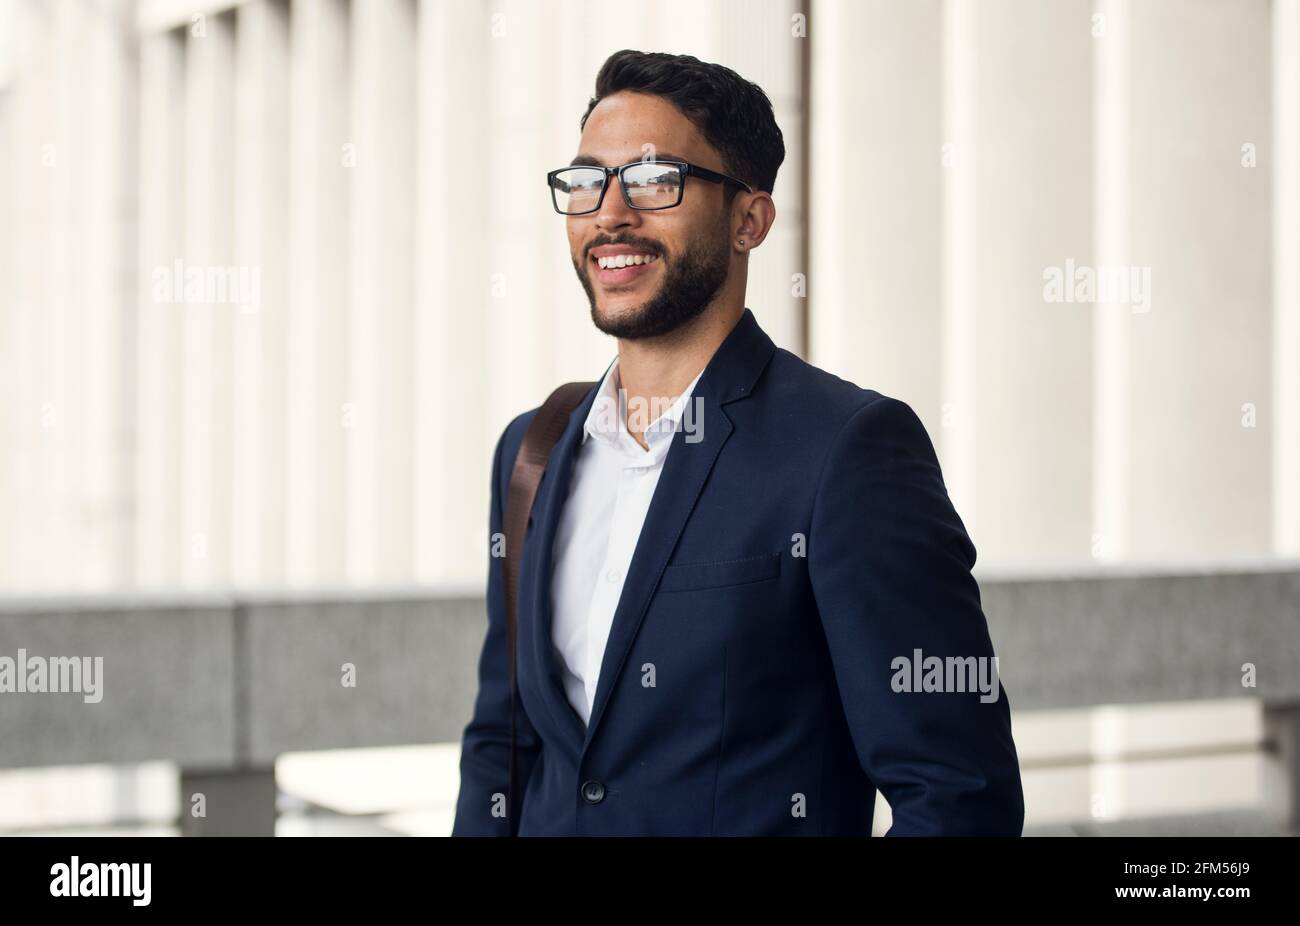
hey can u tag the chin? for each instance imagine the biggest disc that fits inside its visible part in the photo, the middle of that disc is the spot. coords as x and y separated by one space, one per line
614 322
620 310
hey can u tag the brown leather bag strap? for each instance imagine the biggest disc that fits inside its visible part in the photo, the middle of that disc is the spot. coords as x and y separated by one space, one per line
543 432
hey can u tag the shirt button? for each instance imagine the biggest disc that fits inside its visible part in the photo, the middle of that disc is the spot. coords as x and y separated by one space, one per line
613 575
593 792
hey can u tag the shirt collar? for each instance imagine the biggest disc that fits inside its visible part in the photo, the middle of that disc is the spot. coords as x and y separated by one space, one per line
606 419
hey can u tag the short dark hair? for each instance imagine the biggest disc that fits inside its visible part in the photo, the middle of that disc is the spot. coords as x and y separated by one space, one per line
734 115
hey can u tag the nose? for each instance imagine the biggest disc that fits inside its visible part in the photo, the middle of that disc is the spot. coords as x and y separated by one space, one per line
614 211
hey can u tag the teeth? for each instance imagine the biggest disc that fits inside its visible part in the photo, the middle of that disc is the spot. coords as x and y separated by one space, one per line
625 260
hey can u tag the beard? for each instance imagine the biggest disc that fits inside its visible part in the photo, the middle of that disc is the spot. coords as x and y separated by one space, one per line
688 287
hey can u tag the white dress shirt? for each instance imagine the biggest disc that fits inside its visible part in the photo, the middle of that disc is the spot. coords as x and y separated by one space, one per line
613 480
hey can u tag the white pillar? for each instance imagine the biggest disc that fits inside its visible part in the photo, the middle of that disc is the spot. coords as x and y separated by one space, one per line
875 154
260 319
524 295
207 326
99 115
66 484
761 42
159 549
1286 277
1018 204
319 238
455 363
8 287
1198 469
381 352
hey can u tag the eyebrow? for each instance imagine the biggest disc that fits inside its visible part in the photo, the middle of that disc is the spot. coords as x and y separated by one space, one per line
586 160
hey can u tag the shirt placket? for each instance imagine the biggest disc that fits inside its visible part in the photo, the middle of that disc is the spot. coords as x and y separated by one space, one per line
623 536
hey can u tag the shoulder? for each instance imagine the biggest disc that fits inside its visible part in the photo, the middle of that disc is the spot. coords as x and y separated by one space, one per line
507 448
513 434
836 408
511 437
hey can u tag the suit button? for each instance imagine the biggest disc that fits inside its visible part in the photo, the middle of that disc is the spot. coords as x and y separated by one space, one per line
593 792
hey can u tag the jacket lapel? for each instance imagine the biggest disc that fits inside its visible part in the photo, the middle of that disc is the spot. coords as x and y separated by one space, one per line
729 376
536 571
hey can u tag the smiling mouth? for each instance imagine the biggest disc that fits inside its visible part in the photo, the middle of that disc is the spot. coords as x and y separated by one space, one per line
623 268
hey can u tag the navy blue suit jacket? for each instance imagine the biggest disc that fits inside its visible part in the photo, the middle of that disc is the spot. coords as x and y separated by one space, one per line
788 557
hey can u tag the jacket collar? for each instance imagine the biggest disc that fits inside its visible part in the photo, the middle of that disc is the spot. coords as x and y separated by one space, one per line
738 362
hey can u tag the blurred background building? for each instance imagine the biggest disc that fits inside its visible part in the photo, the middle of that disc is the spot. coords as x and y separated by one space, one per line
274 275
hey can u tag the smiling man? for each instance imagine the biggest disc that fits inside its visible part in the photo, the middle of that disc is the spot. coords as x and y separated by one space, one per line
711 619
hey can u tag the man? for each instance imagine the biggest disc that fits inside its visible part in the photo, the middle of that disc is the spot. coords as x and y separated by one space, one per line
734 558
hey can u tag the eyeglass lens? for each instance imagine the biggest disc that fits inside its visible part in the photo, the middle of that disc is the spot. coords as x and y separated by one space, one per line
649 185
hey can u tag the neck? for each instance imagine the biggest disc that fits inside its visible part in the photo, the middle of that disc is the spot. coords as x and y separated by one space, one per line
654 372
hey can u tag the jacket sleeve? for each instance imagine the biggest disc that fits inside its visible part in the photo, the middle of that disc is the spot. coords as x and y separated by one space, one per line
890 564
485 746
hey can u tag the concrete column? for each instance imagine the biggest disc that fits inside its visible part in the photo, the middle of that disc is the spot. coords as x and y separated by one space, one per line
98 122
765 43
1286 277
32 155
456 364
530 295
951 168
158 547
207 325
8 291
875 157
261 347
1017 390
69 119
316 368
380 413
1193 431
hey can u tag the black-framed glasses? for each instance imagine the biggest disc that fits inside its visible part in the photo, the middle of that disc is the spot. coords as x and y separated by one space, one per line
646 185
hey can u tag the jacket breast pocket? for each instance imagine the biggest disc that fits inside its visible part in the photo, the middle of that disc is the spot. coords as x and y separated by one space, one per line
681 577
